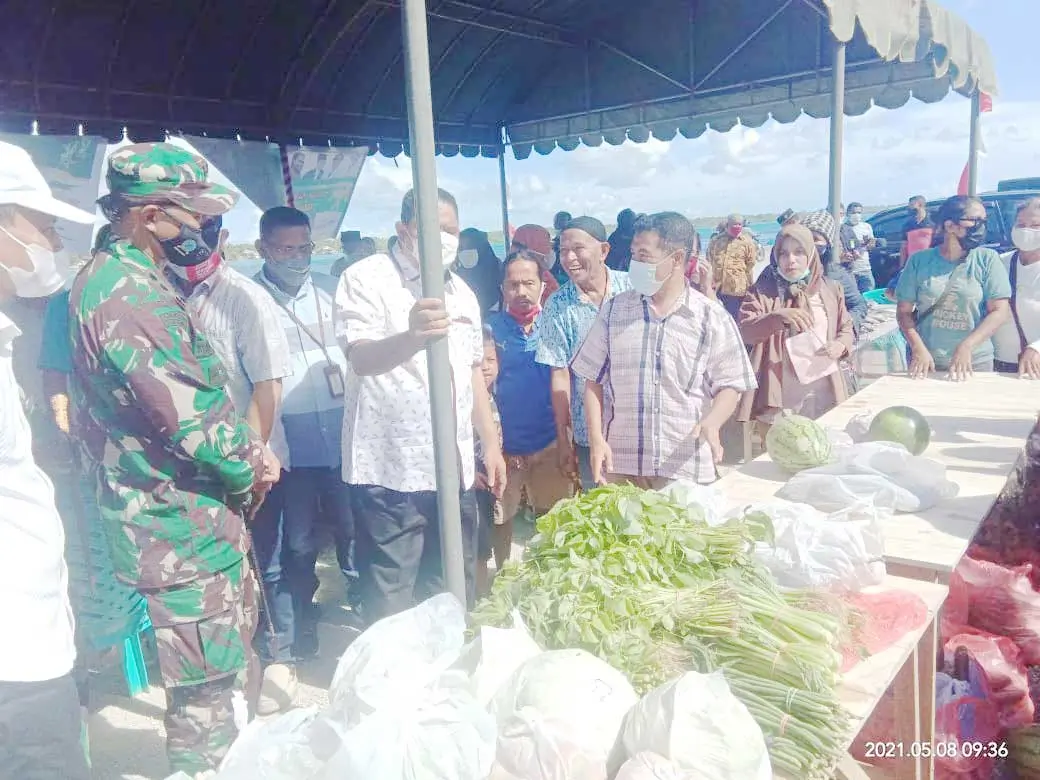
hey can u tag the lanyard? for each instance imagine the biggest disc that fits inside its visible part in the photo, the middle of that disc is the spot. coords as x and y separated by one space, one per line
320 341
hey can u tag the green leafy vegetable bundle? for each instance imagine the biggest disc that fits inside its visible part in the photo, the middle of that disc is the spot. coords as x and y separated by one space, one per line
653 590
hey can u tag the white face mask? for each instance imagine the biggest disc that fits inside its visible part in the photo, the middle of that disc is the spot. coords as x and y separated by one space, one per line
855 219
468 258
49 270
449 249
1026 239
643 277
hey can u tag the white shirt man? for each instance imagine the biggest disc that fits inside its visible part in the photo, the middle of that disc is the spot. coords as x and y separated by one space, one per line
39 706
862 241
384 324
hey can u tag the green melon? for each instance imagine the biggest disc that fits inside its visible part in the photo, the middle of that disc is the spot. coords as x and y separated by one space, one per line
796 443
902 425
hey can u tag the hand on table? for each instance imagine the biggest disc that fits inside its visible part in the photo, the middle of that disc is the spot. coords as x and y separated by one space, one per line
960 365
1029 364
921 364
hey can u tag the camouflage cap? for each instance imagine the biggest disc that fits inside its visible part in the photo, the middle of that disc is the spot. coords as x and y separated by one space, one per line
168 173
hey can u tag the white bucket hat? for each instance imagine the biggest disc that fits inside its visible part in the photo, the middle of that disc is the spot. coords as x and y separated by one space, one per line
22 184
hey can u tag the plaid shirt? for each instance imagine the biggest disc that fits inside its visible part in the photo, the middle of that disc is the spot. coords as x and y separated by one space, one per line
660 376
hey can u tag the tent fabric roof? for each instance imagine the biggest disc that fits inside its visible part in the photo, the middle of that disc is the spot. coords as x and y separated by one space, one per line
549 73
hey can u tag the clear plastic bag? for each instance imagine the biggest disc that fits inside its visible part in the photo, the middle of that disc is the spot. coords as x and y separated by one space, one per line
843 550
275 749
883 474
650 766
696 496
502 652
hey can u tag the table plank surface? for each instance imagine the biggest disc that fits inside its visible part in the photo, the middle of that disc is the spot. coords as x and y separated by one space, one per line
978 430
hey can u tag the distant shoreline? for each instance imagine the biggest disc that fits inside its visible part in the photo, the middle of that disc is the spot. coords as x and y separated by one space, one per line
332 246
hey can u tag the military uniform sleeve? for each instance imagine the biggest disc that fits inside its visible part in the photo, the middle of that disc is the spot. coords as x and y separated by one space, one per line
172 376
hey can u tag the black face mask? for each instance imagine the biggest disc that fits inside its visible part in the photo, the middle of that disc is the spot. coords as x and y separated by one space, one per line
191 247
974 237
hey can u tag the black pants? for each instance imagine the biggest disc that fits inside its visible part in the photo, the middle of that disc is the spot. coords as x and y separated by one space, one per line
40 731
398 548
1005 368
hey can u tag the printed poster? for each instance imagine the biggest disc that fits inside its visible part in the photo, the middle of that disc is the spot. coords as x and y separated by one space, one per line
71 165
323 180
254 167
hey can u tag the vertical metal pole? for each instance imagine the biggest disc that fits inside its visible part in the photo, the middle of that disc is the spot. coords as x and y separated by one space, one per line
424 177
973 148
504 188
837 132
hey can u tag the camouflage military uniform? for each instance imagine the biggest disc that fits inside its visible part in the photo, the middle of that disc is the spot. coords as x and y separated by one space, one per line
176 465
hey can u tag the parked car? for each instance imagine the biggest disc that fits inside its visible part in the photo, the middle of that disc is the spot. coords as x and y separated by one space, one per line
888 226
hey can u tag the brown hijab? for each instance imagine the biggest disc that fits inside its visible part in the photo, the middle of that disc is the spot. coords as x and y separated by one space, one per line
765 334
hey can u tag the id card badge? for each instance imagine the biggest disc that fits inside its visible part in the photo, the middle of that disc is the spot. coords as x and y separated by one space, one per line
334 377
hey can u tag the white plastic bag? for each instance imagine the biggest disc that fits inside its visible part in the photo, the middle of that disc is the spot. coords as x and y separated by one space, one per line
693 495
698 724
559 716
275 749
397 658
650 766
445 735
878 472
502 652
844 550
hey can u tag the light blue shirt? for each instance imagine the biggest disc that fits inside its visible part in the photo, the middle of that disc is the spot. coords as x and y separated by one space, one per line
977 280
311 415
561 328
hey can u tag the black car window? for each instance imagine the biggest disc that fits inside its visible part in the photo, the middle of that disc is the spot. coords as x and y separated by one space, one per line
995 232
890 226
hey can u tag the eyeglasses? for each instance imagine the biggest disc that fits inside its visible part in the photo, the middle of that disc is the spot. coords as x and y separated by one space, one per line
282 250
972 221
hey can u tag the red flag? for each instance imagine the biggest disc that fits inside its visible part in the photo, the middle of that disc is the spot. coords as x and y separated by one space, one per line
985 106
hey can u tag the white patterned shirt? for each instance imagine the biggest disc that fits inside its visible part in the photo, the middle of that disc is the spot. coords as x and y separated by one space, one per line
387 427
242 324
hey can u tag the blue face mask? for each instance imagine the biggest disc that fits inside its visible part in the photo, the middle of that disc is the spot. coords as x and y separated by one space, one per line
801 277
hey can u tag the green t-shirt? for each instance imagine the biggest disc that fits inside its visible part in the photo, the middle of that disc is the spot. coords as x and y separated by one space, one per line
977 280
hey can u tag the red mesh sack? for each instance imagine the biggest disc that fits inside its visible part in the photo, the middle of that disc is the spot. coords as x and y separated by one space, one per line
882 620
1004 674
1001 601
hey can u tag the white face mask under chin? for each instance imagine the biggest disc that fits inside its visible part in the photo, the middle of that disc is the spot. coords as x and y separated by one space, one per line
1026 239
47 274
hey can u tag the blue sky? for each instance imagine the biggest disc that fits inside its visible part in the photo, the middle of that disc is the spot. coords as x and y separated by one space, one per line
889 155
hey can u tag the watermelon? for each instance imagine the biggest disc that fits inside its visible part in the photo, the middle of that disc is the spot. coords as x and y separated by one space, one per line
902 425
796 443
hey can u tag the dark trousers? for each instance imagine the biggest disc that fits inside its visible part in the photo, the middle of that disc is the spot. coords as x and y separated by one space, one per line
399 548
1005 368
286 540
40 731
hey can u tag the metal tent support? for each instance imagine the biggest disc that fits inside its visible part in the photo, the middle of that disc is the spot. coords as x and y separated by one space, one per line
973 147
424 177
504 189
837 132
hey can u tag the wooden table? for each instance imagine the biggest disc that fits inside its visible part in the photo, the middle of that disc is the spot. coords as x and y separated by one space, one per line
978 430
909 667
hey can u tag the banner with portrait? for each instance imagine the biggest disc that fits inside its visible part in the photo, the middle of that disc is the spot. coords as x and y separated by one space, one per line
322 180
71 165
